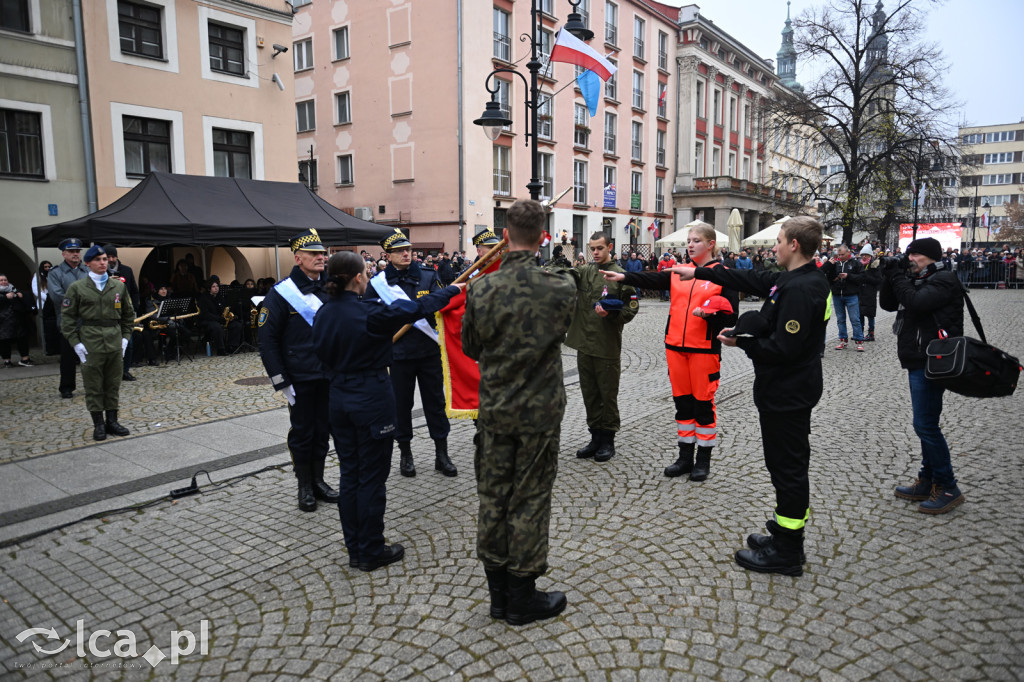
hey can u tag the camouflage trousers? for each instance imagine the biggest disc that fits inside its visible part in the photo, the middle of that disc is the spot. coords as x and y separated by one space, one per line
514 477
599 384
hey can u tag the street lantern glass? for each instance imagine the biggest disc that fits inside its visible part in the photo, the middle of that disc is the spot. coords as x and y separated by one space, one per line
493 120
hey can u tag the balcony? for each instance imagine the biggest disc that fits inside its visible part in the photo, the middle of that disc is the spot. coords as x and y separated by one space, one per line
502 47
724 183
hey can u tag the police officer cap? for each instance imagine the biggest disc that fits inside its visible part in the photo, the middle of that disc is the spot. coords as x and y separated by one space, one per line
307 241
395 240
94 250
485 237
70 244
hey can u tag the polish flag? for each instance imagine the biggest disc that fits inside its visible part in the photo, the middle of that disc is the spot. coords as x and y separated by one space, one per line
571 50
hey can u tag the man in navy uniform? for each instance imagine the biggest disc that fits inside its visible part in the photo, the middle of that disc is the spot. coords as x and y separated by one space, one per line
416 355
285 331
484 241
57 282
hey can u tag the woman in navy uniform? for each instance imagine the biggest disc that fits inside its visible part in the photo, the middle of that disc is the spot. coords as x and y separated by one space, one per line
352 338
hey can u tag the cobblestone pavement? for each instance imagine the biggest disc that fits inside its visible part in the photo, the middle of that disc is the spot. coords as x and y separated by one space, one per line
646 561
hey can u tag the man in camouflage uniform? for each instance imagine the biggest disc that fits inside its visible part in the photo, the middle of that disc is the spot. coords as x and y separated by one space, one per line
602 308
514 323
97 319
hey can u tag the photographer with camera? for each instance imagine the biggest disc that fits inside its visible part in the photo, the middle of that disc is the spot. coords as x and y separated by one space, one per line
929 300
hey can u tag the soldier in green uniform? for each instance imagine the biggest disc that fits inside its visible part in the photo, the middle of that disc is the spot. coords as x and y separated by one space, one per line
97 319
515 320
602 308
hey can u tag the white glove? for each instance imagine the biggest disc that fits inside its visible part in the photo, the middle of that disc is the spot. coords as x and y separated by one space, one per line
289 393
81 352
124 346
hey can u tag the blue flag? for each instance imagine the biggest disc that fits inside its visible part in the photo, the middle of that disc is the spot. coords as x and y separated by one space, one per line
590 86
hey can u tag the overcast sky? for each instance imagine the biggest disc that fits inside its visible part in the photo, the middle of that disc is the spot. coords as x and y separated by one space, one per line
979 38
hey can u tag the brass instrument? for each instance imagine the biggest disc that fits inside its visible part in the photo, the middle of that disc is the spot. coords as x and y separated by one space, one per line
157 325
228 316
253 314
140 319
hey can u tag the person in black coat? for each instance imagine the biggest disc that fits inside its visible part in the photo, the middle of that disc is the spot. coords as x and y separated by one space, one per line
352 339
871 278
224 339
115 268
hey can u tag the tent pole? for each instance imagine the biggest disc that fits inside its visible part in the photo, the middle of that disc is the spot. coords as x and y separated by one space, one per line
39 299
277 262
202 254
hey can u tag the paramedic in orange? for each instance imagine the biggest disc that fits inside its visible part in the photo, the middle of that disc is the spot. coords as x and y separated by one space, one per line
699 310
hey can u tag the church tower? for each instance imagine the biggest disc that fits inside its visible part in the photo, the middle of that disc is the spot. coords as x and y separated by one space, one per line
876 61
786 62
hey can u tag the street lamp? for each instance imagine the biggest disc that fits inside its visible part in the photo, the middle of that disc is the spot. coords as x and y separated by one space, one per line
920 169
988 212
494 119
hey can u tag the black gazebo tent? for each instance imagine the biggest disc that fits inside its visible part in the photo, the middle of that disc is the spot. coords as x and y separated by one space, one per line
167 208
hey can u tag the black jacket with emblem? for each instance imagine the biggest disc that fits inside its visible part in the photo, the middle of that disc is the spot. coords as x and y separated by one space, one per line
286 339
931 301
416 282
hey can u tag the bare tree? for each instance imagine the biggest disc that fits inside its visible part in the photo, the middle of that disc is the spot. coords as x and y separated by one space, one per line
1013 231
877 104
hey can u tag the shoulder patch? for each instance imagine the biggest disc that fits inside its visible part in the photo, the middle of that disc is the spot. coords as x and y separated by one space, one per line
66 302
264 313
792 326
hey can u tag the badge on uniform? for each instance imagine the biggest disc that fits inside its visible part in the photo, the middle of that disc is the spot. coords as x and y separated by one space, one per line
263 316
117 301
792 326
66 303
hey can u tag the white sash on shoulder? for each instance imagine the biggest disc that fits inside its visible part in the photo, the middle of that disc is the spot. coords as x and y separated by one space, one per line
304 304
389 293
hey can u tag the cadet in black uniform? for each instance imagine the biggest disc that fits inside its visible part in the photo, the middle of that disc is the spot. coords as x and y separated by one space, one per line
417 357
787 382
352 338
285 329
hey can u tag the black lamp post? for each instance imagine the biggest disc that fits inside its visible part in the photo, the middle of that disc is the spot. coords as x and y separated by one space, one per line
494 119
988 228
921 163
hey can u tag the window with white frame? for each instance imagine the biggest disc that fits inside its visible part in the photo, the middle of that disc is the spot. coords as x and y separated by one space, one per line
140 29
998 199
1003 136
758 172
581 129
636 191
732 164
698 159
659 195
14 16
341 43
303 54
701 110
545 116
579 182
610 85
346 174
732 113
504 99
639 26
662 50
305 116
502 38
544 44
716 161
997 179
638 90
147 145
636 141
716 107
546 169
659 147
232 153
343 107
227 49
611 23
662 99
746 120
609 179
502 171
611 121
584 12
745 175
974 138
1001 157
21 144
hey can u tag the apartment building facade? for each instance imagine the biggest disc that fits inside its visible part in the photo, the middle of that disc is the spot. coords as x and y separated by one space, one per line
993 176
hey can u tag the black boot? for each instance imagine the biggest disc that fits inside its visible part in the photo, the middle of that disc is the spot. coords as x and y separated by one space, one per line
497 585
684 464
442 462
307 498
405 465
606 450
113 428
781 555
526 603
588 450
321 490
756 541
702 466
99 430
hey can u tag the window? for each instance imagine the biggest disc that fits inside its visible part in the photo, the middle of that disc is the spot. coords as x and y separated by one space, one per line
636 141
345 171
716 161
610 123
638 90
746 120
745 175
610 85
140 30
544 117
662 99
584 12
698 159
701 109
1004 136
659 145
609 184
21 144
14 15
546 6
659 195
504 97
732 113
1002 157
147 146
341 43
343 107
502 171
546 168
662 50
759 173
300 3
305 116
636 191
974 138
732 164
998 199
303 54
227 49
581 134
611 23
716 108
232 155
998 179
502 41
638 37
544 44
308 174
579 182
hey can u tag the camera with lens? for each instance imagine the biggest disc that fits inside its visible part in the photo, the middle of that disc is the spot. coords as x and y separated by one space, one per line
894 263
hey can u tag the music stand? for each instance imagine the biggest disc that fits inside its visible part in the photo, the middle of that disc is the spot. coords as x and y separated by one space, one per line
172 308
236 299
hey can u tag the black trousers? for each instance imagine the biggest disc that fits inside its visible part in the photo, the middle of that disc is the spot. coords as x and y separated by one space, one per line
404 376
785 437
68 365
309 435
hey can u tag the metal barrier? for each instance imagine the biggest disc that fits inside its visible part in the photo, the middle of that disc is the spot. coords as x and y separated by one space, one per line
990 274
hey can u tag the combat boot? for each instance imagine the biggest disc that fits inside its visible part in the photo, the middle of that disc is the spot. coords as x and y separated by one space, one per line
684 464
321 490
606 450
99 429
781 555
756 541
702 467
113 427
405 465
588 450
497 585
918 491
307 498
442 462
526 603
